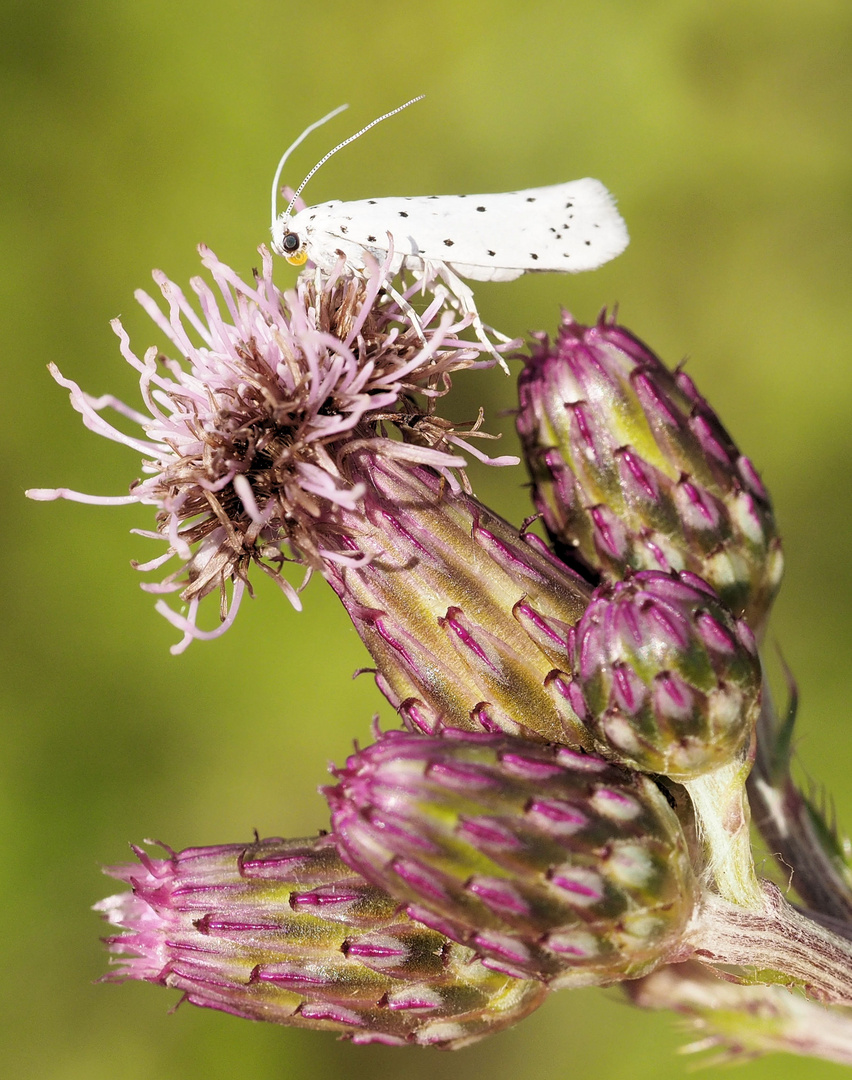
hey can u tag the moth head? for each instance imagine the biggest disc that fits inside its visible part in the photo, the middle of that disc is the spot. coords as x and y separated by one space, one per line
288 244
291 245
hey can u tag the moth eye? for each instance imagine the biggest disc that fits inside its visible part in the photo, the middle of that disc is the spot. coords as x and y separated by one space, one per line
290 242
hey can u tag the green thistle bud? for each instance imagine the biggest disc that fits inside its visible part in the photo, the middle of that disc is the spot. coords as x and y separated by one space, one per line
282 930
632 470
465 619
669 682
666 679
547 861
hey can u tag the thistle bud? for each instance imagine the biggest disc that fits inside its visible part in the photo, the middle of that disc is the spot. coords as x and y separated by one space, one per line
466 620
282 930
632 469
547 861
664 676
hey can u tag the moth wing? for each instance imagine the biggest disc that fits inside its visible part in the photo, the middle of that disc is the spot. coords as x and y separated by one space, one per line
452 229
477 272
497 237
564 227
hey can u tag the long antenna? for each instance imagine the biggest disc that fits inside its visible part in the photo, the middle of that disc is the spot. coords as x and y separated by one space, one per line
339 146
290 150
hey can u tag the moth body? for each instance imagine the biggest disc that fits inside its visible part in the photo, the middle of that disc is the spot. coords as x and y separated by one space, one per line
564 228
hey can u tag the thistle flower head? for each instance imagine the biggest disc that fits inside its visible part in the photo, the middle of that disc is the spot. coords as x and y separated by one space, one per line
664 676
632 469
547 861
282 930
245 437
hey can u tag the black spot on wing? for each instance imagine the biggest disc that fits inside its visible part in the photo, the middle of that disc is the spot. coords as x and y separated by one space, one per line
533 256
403 213
344 229
371 202
530 198
490 252
448 243
371 239
480 209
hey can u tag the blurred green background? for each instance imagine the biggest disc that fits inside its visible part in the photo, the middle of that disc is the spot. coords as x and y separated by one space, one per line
131 132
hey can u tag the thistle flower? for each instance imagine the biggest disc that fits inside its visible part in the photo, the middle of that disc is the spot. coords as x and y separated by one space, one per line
632 469
282 930
273 444
669 682
242 441
547 861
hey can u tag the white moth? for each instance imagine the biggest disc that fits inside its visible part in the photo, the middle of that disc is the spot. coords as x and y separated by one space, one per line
564 228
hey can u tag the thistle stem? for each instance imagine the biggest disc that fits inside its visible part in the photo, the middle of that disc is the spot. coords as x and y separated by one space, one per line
777 944
722 814
739 1022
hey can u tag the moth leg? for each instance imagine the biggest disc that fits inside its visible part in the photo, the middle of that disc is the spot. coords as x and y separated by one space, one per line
463 303
403 305
462 294
406 308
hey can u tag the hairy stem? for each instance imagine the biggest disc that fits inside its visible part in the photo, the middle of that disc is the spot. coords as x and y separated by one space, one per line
739 1021
776 944
722 816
